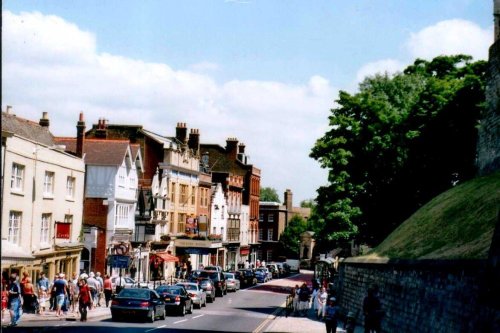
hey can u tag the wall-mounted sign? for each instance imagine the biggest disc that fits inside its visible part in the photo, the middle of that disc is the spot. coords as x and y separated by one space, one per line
191 226
63 230
149 229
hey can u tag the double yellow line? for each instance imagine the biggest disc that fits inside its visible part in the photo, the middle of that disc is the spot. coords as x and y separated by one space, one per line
272 316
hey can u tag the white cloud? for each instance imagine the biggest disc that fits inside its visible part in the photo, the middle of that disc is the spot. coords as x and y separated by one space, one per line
448 37
451 37
51 65
204 67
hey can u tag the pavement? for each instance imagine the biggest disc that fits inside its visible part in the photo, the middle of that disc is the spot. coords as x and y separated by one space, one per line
279 321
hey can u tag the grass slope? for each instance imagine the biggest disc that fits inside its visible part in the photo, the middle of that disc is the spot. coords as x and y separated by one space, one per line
457 224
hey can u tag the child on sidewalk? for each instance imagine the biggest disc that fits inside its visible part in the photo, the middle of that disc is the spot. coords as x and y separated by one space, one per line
42 299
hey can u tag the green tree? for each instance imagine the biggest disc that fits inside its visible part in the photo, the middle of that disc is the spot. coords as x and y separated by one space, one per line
309 203
290 237
269 194
395 144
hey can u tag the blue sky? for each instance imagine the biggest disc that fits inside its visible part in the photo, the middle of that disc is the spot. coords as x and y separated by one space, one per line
266 72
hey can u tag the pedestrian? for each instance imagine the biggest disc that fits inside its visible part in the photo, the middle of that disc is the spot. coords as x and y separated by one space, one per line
93 286
332 312
296 292
73 293
100 288
321 302
133 271
42 299
14 301
84 299
42 282
304 297
60 290
29 298
372 310
108 289
314 294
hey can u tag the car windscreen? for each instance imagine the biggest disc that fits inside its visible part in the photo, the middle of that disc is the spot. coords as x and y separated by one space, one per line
229 275
173 291
190 287
134 293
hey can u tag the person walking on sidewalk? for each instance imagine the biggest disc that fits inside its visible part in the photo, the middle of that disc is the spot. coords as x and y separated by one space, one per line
108 289
60 290
331 315
84 299
42 299
304 298
372 311
15 300
321 302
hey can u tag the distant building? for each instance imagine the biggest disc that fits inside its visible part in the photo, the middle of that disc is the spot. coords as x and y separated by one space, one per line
42 200
273 219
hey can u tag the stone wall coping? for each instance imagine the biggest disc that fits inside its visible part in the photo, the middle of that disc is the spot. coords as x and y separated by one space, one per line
423 263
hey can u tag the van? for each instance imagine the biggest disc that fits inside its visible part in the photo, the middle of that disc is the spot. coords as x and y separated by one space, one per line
294 265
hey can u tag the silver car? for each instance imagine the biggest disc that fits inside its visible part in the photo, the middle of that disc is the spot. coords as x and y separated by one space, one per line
232 282
198 295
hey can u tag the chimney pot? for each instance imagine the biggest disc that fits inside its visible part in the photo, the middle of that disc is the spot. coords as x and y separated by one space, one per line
44 121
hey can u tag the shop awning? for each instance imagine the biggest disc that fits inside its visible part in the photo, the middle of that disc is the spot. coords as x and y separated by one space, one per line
167 257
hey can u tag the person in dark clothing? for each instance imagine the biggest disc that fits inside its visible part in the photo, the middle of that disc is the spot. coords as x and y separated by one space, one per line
331 315
372 310
14 300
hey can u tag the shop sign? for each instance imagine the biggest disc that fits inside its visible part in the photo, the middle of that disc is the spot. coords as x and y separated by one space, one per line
63 230
118 261
149 229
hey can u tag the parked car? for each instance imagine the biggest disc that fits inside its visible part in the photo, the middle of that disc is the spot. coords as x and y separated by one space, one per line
274 269
219 281
262 274
232 282
198 295
209 287
247 277
194 275
213 268
284 268
137 302
294 265
177 299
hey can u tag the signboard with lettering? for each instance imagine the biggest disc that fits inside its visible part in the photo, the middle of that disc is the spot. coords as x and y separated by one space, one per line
191 226
149 229
118 261
63 230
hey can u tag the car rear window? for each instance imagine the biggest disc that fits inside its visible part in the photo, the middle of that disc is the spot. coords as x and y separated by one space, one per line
211 275
174 291
134 293
190 287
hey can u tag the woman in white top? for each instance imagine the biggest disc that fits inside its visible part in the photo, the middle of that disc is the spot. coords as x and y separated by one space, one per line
321 302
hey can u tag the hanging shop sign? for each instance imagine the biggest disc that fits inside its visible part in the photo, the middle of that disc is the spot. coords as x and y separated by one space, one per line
63 230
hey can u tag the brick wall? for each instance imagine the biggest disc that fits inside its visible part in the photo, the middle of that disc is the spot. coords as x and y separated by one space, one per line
424 296
488 149
95 214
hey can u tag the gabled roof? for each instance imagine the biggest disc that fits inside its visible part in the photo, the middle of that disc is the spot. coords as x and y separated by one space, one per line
27 129
99 152
166 141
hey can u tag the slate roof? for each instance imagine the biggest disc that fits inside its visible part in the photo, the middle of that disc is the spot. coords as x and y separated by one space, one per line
27 129
98 152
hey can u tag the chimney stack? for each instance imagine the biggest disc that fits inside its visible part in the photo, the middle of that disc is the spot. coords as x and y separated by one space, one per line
8 110
232 148
102 129
194 141
44 121
288 201
80 136
181 132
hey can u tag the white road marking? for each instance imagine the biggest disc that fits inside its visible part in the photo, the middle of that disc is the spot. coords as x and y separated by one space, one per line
180 321
198 316
162 326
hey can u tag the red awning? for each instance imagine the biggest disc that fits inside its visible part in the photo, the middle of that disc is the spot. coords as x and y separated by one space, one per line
167 257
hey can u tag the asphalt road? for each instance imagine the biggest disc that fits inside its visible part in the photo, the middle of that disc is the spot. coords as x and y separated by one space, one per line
243 311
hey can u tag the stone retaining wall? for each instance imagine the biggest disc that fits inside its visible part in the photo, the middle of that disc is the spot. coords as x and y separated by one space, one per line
424 295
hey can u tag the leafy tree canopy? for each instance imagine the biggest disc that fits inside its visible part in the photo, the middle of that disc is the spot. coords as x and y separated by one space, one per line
269 194
395 144
289 239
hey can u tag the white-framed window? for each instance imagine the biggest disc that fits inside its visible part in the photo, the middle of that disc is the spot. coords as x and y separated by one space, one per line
121 216
261 217
48 184
45 228
261 234
68 218
270 234
15 219
17 178
270 218
70 187
121 178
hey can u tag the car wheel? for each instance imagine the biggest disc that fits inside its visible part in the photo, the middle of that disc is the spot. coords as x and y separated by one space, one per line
183 310
190 308
164 315
210 299
114 318
152 318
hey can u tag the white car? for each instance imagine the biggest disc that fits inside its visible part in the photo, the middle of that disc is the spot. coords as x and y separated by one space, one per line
128 282
198 295
232 282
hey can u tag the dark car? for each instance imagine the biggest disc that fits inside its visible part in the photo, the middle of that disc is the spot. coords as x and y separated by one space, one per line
209 287
218 279
263 275
247 277
138 302
177 299
194 275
